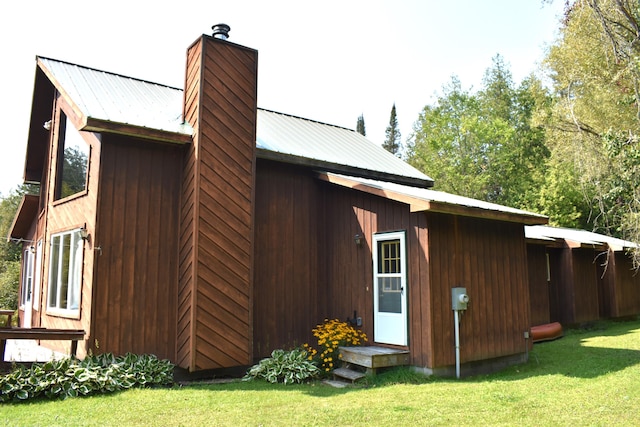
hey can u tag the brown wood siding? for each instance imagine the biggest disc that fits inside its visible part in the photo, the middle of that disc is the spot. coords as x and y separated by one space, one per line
578 285
419 284
556 287
136 244
626 285
488 258
62 215
585 287
217 240
286 291
538 284
188 213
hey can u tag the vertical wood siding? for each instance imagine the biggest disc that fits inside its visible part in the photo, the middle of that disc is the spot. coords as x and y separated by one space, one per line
488 258
444 251
137 263
578 285
287 293
538 284
623 286
216 272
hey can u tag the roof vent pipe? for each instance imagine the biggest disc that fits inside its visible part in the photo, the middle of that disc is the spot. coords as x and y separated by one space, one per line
221 31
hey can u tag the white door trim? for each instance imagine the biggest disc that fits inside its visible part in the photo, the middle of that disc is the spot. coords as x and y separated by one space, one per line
390 288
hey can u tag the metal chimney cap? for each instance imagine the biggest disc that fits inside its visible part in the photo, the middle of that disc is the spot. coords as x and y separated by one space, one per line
221 31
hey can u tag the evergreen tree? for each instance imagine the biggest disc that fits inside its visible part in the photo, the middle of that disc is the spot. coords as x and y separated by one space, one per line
360 126
392 142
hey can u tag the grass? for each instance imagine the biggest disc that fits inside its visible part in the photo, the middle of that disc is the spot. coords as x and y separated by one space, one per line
589 377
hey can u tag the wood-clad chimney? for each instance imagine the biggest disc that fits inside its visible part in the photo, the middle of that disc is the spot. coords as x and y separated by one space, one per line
217 208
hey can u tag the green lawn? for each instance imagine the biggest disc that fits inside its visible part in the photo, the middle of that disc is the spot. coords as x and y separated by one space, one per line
586 378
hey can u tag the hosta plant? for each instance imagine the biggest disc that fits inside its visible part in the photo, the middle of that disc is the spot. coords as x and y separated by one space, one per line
69 377
288 367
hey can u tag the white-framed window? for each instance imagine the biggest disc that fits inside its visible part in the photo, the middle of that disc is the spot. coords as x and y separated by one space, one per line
27 277
38 276
65 271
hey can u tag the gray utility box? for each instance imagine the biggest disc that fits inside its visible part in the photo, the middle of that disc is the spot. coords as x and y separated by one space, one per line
459 299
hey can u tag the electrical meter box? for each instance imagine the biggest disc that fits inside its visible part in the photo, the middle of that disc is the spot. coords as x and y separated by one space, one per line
459 299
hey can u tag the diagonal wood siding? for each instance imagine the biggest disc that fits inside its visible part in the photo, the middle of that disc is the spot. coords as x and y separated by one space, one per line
216 248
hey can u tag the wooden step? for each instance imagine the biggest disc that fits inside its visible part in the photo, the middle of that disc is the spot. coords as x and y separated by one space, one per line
374 357
348 374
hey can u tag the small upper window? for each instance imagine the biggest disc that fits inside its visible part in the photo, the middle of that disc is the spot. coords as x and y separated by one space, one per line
73 161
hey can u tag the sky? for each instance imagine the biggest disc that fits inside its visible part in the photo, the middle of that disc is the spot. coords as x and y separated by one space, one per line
328 61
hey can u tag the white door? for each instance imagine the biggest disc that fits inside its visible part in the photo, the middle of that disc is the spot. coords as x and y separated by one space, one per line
26 298
390 288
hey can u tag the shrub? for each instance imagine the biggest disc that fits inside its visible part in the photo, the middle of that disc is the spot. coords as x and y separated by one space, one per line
286 367
59 379
333 334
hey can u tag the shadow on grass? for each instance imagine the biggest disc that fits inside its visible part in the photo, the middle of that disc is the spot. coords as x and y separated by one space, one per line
579 354
589 352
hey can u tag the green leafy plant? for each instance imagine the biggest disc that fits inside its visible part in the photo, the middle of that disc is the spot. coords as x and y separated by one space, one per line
59 379
288 367
333 334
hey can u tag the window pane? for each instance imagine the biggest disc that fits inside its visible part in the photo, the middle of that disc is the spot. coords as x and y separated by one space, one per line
53 271
76 272
389 294
75 161
65 251
389 256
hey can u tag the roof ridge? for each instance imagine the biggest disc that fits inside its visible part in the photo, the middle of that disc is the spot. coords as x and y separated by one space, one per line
108 72
306 119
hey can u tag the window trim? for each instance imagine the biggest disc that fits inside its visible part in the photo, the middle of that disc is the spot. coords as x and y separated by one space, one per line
75 271
65 121
27 274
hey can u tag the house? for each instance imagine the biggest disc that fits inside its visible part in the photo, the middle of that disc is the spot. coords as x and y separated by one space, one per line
210 232
577 276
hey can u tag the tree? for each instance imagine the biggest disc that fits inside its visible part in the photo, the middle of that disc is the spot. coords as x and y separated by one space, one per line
486 145
595 67
360 126
445 143
74 171
392 142
10 252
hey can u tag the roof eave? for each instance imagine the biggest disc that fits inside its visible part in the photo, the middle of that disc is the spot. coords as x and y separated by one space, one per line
106 126
420 205
342 169
26 213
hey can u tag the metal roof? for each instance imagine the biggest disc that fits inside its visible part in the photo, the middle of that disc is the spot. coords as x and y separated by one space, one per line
114 98
427 199
119 99
579 236
304 138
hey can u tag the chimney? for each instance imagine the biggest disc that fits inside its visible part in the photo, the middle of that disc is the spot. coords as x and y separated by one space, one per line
217 212
221 31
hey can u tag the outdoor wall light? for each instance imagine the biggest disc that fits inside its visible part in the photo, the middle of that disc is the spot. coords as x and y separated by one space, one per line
358 239
84 233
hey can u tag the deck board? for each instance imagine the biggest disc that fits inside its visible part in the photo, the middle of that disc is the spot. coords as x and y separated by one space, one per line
375 357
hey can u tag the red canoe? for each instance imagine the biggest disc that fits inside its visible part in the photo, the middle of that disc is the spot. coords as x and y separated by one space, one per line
548 332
